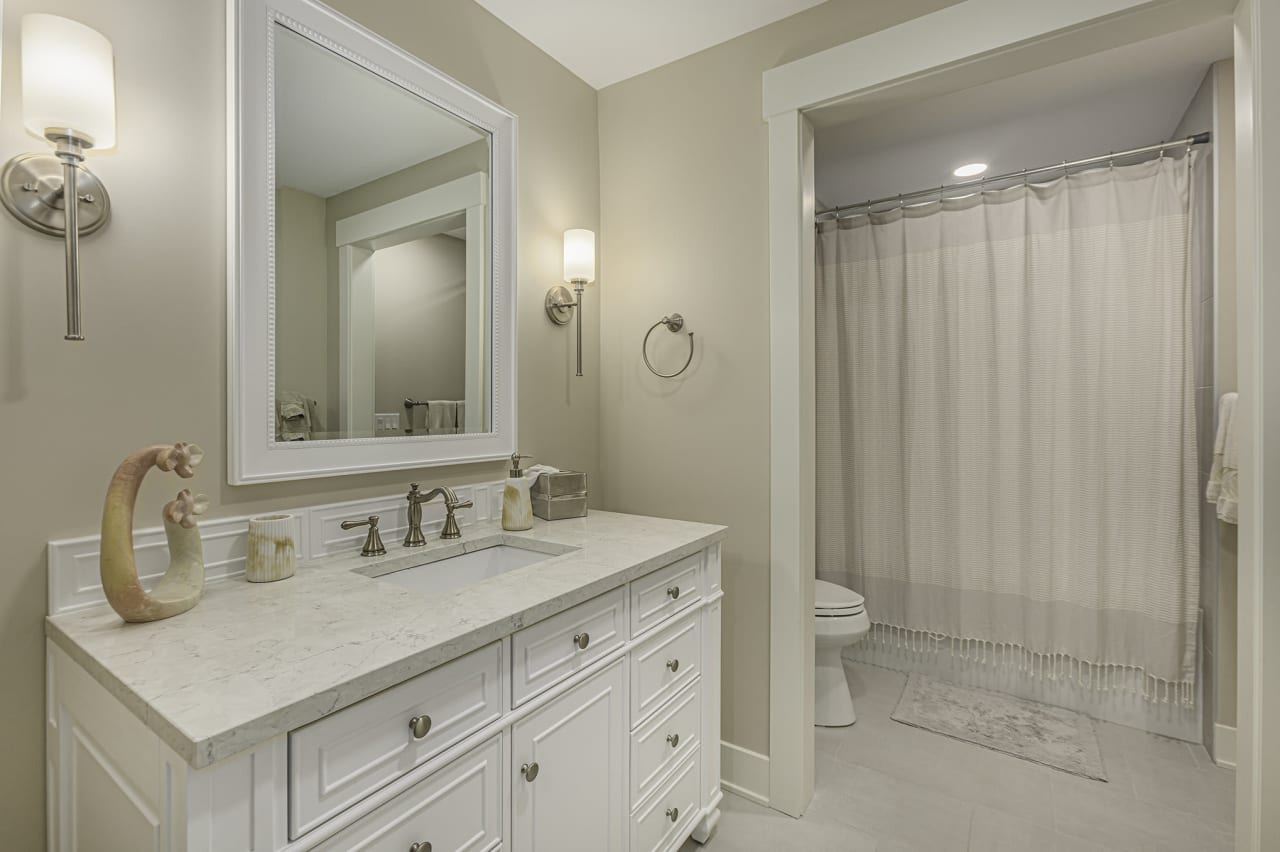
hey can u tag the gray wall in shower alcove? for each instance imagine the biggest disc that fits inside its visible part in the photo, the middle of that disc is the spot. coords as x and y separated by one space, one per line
1215 336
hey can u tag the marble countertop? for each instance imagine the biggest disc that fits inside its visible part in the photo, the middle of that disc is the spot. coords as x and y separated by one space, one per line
255 660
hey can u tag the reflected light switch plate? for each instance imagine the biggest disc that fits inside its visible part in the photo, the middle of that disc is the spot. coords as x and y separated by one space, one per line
387 422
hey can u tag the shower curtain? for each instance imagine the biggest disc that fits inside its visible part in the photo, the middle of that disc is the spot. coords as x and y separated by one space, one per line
1006 435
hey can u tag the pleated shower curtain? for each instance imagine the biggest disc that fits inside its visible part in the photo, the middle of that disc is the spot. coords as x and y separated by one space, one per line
1006 435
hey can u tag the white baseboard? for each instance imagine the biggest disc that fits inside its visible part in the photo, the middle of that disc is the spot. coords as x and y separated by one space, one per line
1224 746
744 772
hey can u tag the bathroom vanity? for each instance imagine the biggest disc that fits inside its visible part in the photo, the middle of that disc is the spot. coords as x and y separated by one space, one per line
546 691
553 690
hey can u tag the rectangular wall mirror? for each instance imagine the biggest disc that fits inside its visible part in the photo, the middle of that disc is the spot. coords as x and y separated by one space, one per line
371 323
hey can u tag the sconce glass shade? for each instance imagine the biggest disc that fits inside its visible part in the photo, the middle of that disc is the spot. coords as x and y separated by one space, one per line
579 255
68 79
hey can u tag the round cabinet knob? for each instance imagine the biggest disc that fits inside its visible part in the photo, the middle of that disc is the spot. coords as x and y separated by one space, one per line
582 640
673 740
424 846
420 725
673 814
674 665
529 771
673 592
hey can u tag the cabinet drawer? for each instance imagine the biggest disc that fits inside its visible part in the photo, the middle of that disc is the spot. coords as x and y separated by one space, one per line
457 809
344 757
669 814
664 664
658 596
551 650
665 740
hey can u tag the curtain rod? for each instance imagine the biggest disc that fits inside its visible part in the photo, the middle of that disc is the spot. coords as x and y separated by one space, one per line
865 206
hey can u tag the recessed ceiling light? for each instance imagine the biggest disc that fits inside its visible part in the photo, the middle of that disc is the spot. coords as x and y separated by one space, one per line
970 169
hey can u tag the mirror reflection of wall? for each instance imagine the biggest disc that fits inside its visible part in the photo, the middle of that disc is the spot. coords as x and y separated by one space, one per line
381 257
419 318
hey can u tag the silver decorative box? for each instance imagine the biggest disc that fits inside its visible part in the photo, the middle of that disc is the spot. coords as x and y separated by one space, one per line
557 496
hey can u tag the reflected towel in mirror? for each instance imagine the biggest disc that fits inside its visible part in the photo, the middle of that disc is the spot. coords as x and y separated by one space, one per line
444 417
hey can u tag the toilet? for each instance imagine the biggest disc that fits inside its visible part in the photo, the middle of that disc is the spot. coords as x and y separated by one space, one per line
840 619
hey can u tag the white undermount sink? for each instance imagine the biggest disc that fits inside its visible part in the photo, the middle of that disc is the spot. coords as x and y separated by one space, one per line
465 569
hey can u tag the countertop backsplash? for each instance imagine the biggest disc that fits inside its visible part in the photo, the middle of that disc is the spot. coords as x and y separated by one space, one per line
73 576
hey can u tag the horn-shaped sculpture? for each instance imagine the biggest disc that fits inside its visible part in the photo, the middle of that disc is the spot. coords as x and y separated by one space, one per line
182 584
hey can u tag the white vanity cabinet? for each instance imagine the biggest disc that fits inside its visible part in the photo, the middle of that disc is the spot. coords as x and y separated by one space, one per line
592 729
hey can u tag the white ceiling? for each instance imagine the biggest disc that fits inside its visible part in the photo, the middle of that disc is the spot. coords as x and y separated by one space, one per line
339 125
1123 98
605 41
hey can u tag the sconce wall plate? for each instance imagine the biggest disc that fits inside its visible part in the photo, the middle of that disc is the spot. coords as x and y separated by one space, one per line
31 189
560 304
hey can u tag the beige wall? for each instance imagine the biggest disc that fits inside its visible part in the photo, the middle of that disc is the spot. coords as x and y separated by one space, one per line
302 303
420 323
683 181
153 367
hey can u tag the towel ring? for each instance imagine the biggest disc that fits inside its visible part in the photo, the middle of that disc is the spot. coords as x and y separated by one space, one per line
674 323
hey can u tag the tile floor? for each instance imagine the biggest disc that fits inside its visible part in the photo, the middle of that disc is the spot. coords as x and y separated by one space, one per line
887 787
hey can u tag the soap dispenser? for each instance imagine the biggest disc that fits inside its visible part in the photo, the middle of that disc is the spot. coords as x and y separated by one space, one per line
517 507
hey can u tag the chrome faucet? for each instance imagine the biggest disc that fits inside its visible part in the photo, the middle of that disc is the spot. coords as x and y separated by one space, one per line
416 498
373 541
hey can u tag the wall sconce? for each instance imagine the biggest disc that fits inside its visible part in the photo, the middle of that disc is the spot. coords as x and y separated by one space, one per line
579 270
68 98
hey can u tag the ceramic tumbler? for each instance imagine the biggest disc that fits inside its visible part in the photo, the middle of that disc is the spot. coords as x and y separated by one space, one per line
273 553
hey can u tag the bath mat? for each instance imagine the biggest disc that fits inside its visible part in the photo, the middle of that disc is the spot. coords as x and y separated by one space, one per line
1041 733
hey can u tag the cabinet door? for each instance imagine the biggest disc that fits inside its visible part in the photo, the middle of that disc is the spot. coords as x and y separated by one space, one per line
575 801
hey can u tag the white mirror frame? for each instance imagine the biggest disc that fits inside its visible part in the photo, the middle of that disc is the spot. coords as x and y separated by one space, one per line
253 453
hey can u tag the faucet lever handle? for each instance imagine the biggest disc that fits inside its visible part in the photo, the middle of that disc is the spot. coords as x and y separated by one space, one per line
373 541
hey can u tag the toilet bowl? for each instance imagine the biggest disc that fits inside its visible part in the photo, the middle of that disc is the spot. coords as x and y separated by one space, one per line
840 619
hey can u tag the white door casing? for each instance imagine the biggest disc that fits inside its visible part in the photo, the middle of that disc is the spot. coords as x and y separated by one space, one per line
917 58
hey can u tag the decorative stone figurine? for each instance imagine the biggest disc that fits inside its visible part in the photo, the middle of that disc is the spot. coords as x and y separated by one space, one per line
182 584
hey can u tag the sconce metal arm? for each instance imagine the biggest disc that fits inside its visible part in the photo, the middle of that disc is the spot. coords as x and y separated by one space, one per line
560 308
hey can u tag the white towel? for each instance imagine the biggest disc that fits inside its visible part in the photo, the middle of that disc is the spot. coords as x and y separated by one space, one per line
442 417
293 417
1224 477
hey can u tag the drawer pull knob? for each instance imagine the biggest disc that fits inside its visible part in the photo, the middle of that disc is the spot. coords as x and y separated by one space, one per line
673 739
673 814
420 725
529 771
582 640
424 846
674 665
673 592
